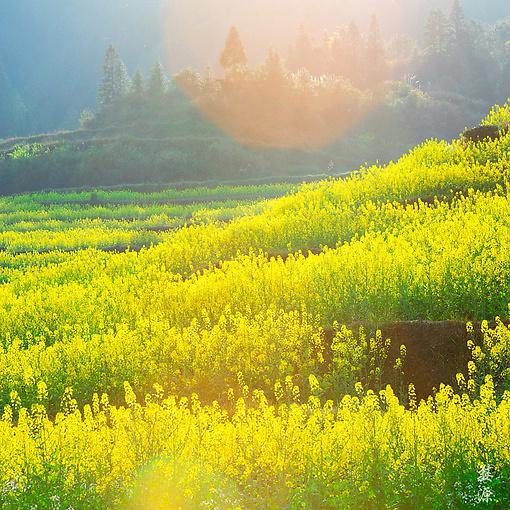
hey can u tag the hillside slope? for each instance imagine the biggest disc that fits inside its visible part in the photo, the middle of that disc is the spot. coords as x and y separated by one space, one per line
229 329
190 150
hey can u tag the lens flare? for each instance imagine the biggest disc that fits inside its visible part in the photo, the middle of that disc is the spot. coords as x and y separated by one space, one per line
305 97
176 485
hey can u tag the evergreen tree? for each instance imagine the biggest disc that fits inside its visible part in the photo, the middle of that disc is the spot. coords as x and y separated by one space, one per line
436 32
339 53
374 46
273 67
501 54
375 65
435 70
457 24
123 79
461 37
354 33
136 96
138 85
272 87
469 65
115 82
157 83
233 54
355 49
302 53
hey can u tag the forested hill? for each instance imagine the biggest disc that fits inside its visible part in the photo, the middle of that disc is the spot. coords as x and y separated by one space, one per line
53 48
327 103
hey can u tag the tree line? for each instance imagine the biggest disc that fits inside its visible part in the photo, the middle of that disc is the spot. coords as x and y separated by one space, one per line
321 88
273 104
116 83
459 55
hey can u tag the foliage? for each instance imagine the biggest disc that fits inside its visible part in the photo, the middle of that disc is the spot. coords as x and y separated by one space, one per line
20 152
233 54
115 82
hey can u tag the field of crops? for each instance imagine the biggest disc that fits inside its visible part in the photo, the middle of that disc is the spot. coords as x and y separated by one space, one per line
187 349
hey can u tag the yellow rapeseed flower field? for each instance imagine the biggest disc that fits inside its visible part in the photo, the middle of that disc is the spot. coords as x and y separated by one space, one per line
187 350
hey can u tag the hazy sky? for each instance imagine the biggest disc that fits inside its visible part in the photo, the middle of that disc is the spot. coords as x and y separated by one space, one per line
195 29
54 48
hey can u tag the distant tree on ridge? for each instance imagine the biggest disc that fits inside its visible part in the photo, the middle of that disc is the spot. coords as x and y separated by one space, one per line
233 54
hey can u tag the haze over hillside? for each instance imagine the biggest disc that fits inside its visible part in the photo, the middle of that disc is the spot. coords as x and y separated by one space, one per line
53 48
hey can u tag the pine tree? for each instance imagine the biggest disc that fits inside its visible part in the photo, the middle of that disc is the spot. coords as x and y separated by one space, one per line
457 17
354 33
138 85
374 38
157 82
436 33
123 82
233 54
355 53
375 65
115 82
457 26
302 53
273 67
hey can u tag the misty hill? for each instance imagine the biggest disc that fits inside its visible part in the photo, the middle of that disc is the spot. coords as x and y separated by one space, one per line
53 48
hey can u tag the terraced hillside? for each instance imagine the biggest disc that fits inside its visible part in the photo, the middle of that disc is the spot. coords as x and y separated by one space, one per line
224 348
149 157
